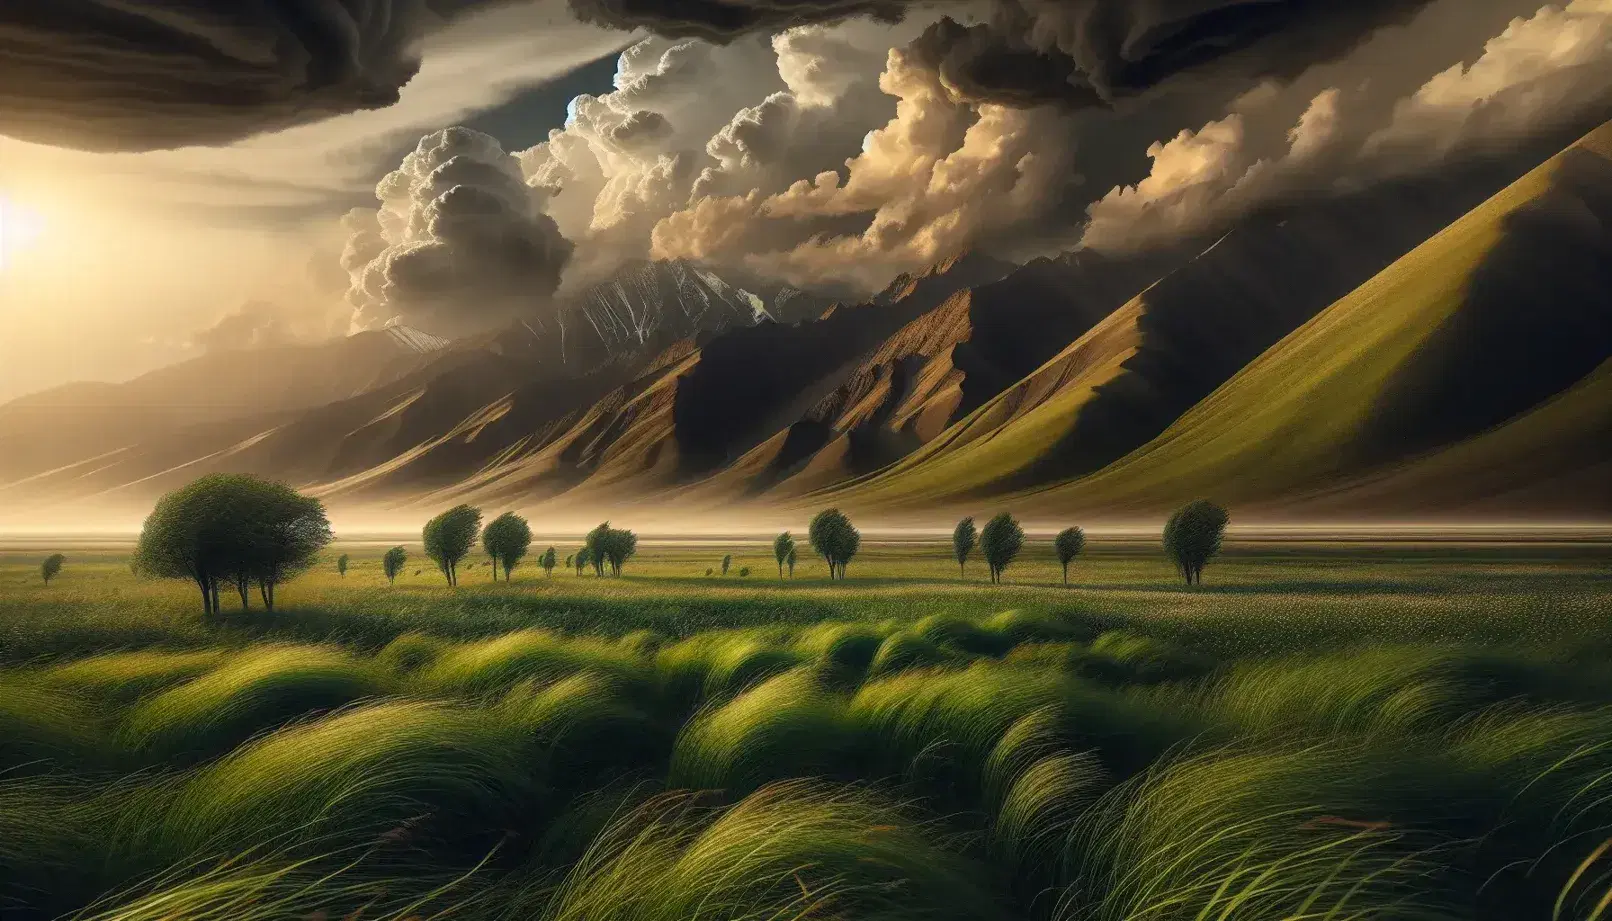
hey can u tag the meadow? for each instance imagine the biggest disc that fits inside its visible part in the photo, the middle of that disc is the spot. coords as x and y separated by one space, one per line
1321 731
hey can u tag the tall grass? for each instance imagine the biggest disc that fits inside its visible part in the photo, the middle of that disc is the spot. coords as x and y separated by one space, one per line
401 772
788 726
254 691
789 851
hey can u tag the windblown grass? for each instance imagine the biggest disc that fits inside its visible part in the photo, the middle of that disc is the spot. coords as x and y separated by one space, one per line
256 690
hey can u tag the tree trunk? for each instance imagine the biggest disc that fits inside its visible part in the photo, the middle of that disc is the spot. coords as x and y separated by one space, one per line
214 586
962 571
1066 575
207 599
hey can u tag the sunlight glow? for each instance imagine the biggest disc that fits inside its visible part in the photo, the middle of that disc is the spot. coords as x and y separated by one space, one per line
20 228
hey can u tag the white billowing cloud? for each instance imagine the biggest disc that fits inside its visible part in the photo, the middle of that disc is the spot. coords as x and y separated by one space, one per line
460 242
691 122
1541 71
926 185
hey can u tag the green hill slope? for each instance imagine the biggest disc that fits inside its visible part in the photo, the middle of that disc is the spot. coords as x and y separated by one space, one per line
1503 309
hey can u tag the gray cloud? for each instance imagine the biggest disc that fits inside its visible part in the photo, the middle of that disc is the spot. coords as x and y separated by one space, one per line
459 244
105 74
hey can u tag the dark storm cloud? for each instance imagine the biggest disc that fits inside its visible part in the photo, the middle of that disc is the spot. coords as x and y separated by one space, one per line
118 75
1070 52
111 74
1079 53
719 20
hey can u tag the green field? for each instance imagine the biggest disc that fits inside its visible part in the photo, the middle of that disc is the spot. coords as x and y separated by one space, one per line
1322 731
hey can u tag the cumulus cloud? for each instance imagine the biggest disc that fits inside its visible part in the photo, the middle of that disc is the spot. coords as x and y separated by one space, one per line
460 242
1541 71
690 121
1547 71
925 186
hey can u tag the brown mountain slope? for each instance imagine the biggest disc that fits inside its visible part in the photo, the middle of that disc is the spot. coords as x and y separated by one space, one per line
77 423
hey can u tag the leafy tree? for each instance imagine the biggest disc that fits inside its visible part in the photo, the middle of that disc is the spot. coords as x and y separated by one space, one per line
727 561
1001 541
584 559
570 561
51 566
620 546
392 563
790 561
1068 543
506 539
782 546
341 565
286 531
744 572
1192 537
963 540
611 547
709 571
597 541
835 540
234 529
548 561
449 537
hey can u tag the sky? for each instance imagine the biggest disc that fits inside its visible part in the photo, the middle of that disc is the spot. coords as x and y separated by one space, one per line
234 176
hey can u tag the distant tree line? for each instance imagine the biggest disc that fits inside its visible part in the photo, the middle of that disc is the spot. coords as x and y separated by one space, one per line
238 532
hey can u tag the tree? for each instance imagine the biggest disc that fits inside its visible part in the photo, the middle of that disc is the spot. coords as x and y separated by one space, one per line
835 539
1068 543
727 561
790 561
611 547
392 563
570 561
235 529
597 540
1192 537
963 540
548 561
506 539
341 565
744 572
782 546
285 532
51 566
584 559
1001 541
449 537
620 546
709 571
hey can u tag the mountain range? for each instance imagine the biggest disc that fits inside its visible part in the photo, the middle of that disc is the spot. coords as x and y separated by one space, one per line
1428 347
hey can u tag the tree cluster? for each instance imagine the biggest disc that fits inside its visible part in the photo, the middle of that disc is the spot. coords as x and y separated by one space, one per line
835 539
612 547
234 530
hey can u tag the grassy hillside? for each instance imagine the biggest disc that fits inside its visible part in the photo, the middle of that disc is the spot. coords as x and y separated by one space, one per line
1460 334
1498 312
